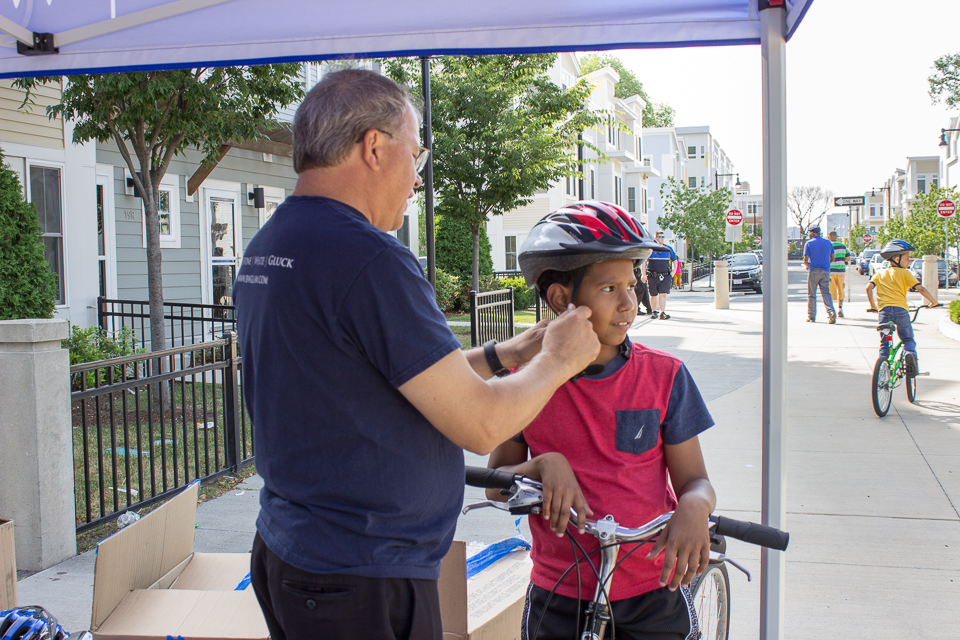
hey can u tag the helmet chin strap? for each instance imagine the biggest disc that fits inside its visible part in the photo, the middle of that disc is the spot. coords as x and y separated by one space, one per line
577 281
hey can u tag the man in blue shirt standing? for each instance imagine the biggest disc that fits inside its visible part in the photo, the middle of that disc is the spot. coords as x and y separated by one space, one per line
817 256
661 265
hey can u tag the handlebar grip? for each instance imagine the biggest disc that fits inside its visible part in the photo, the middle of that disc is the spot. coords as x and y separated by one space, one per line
490 478
752 532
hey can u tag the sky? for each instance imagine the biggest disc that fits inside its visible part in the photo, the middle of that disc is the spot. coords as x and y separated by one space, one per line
857 101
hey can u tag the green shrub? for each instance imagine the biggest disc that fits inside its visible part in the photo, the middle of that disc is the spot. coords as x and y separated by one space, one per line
95 344
448 286
454 248
954 309
28 288
523 297
487 283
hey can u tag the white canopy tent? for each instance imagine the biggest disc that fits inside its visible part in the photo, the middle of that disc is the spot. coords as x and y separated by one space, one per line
64 37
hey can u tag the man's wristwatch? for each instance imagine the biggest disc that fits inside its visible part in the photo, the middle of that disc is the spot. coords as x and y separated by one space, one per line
490 351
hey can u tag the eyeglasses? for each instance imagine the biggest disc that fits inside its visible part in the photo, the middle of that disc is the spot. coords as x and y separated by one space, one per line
420 157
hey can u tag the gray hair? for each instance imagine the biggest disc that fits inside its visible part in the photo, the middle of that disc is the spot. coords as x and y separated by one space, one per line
339 110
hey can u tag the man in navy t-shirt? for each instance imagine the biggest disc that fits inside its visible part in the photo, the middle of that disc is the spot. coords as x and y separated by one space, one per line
360 395
817 256
661 265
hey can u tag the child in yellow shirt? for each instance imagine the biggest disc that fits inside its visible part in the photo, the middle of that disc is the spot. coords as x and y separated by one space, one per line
892 285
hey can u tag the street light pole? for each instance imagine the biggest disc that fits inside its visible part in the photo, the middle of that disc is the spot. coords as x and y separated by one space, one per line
717 176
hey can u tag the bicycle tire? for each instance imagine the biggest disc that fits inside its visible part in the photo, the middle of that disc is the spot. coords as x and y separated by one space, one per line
711 601
911 388
882 390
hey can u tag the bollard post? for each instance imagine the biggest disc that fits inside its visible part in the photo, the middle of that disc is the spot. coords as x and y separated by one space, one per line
721 290
690 273
36 455
930 276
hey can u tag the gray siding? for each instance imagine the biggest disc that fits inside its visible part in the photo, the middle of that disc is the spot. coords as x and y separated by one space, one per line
181 266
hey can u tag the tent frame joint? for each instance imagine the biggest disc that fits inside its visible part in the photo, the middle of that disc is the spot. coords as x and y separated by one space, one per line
42 45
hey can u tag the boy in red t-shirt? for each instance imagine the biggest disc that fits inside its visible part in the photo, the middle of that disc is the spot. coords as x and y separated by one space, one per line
620 442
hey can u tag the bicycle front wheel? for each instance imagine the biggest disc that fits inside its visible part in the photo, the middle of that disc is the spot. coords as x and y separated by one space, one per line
711 600
882 387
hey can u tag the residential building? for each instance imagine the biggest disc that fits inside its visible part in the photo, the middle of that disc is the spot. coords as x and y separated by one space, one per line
621 177
93 224
751 206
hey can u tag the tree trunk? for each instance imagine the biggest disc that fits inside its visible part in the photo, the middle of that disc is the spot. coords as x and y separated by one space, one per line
475 228
158 340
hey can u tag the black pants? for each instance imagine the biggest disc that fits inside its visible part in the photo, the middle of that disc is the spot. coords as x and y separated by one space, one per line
658 615
299 605
643 294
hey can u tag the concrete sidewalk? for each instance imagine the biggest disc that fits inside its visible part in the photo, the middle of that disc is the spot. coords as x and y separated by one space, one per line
872 503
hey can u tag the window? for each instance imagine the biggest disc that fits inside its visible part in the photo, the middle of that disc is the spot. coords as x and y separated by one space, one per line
881 211
643 198
873 211
101 242
168 210
617 188
703 152
692 182
702 183
593 180
922 185
403 233
45 194
933 182
752 208
691 152
510 252
632 199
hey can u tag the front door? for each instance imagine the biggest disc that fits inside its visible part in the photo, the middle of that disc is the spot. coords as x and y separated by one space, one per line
222 226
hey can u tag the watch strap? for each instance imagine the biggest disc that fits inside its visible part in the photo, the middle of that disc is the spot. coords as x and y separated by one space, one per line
490 352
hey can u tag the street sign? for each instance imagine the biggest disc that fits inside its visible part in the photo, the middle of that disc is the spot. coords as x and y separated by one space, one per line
848 201
946 208
734 217
757 241
867 237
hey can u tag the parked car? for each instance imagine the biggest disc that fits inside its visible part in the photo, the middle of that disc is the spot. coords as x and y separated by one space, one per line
758 253
916 267
876 264
746 272
864 258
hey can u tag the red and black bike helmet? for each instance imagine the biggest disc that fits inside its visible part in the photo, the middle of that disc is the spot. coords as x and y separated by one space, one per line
581 234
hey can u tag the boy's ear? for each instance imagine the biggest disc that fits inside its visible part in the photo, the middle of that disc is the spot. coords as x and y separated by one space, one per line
558 297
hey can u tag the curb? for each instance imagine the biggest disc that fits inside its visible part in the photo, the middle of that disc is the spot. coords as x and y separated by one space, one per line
949 329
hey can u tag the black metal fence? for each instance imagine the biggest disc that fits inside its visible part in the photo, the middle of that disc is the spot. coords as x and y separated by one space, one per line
189 323
506 275
148 424
491 316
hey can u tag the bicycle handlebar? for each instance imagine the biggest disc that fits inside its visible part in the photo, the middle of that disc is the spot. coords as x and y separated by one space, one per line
751 532
759 534
491 478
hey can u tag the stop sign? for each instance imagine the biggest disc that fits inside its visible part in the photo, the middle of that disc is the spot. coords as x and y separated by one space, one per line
946 208
734 217
757 241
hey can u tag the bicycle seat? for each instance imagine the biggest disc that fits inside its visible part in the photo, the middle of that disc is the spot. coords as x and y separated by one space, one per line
887 326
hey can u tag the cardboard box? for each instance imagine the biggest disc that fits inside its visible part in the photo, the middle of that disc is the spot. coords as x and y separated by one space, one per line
488 606
149 584
8 566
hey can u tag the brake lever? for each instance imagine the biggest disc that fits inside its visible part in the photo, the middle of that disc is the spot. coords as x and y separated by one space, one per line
722 557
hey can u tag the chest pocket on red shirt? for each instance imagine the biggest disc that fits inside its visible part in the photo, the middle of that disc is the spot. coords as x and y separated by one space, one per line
637 431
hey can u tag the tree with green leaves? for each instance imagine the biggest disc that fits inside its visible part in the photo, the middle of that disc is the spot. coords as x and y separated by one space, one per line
154 115
856 237
502 132
655 114
696 216
923 227
945 81
28 288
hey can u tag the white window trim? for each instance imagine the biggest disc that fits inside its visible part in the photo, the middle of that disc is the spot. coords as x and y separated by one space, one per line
105 178
28 162
170 183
